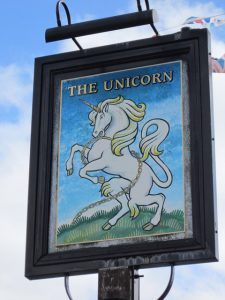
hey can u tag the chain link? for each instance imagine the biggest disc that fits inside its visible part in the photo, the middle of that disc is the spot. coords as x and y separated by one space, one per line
111 197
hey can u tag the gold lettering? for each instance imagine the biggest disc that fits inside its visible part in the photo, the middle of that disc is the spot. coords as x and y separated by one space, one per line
156 77
71 90
134 79
145 80
119 84
128 82
82 89
93 88
108 85
168 76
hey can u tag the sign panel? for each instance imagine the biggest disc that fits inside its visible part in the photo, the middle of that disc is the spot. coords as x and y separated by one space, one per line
120 175
127 128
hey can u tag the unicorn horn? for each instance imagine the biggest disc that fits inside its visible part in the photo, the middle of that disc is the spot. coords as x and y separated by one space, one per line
97 109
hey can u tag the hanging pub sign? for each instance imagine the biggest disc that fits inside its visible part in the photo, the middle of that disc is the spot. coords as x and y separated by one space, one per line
121 170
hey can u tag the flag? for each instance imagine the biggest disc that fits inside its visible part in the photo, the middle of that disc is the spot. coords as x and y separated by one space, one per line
217 21
193 20
206 22
218 65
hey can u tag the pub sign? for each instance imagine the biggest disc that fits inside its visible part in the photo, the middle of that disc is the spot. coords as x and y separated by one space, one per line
121 170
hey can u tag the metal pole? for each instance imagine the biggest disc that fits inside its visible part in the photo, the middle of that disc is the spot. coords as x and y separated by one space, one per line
118 284
101 25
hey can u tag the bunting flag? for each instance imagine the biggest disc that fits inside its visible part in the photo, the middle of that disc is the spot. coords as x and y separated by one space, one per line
217 21
206 22
218 65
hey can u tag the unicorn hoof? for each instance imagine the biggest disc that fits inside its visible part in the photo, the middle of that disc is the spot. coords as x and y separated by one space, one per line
134 212
69 172
148 226
101 179
106 226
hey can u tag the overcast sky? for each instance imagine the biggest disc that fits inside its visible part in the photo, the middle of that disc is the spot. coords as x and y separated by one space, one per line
22 27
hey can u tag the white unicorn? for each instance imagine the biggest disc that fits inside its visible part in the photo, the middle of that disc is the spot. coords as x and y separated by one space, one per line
115 124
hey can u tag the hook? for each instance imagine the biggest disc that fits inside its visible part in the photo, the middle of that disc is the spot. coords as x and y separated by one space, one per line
59 23
147 8
67 287
139 5
169 285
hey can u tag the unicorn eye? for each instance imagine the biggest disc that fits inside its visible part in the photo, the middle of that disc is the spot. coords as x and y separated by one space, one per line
101 116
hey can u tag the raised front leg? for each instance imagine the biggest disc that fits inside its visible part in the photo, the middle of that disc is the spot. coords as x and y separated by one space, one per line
69 164
95 165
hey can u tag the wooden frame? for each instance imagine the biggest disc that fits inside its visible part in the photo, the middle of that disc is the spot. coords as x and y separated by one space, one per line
188 46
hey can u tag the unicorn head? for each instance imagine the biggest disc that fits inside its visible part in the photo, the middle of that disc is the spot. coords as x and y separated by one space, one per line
100 116
118 119
102 122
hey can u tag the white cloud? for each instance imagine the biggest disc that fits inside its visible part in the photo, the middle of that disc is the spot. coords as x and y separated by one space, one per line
218 48
14 153
174 13
106 38
219 111
16 87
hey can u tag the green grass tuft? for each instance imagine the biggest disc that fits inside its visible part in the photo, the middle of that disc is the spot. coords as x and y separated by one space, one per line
86 229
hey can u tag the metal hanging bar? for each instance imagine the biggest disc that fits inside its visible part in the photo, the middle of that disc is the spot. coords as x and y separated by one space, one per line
139 5
102 25
170 284
99 26
58 19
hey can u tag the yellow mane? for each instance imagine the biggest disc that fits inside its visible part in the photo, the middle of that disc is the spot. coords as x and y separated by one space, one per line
135 114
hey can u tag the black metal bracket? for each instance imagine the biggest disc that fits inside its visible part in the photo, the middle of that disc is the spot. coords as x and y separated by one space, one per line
67 287
148 9
59 23
169 285
162 297
139 5
98 26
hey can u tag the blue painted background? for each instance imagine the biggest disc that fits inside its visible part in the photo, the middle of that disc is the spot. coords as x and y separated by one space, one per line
162 101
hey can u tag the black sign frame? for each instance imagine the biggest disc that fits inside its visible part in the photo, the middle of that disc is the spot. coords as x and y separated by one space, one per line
188 45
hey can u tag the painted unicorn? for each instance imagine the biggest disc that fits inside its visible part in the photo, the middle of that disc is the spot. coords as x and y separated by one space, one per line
115 124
